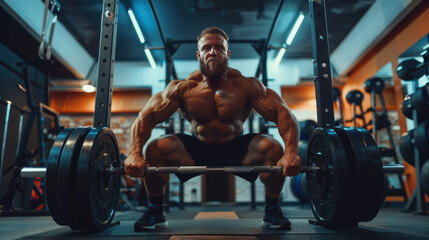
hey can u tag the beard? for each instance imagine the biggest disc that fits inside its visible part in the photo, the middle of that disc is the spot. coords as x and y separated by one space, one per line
214 69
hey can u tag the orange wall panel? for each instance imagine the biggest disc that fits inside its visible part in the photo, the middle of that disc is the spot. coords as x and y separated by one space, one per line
123 101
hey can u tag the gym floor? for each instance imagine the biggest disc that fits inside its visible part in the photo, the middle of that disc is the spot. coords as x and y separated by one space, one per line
225 222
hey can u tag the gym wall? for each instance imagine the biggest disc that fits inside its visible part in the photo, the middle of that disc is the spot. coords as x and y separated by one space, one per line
11 78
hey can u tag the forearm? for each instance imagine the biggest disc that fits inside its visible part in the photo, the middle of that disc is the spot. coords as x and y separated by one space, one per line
288 129
140 133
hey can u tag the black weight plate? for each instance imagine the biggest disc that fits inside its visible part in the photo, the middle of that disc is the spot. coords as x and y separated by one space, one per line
52 175
296 186
354 96
306 128
406 147
98 192
408 70
407 108
336 93
67 175
418 99
374 168
424 178
304 187
421 140
374 85
330 192
292 187
302 151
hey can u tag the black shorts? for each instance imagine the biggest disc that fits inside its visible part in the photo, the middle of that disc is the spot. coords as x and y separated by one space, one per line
217 155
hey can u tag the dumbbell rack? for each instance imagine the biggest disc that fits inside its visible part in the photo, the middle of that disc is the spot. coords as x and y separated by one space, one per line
375 86
336 92
416 202
355 97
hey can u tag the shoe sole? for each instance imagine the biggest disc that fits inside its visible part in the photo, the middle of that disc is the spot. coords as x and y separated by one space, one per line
153 227
272 226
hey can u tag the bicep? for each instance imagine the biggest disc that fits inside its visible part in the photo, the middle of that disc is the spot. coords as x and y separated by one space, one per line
159 108
269 104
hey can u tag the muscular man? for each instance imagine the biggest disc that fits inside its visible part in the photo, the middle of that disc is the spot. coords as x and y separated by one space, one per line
216 100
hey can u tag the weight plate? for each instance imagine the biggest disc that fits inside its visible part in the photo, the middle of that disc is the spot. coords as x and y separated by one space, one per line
406 147
296 186
304 187
354 96
377 175
292 187
98 192
52 175
424 178
421 141
302 151
374 85
407 108
336 93
306 127
67 175
367 173
418 101
330 192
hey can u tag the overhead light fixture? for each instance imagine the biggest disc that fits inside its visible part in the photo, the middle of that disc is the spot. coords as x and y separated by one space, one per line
141 37
290 37
136 26
295 28
279 56
150 58
88 88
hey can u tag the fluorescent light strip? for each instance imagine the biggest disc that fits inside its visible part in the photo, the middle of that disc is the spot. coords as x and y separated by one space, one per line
295 28
150 58
136 25
279 56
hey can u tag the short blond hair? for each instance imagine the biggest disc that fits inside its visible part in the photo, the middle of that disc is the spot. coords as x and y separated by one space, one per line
214 30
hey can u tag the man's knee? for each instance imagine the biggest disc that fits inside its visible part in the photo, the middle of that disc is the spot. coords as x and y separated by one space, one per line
268 146
162 147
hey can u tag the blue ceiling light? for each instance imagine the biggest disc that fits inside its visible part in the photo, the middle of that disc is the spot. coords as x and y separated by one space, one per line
136 25
290 38
141 37
150 58
295 28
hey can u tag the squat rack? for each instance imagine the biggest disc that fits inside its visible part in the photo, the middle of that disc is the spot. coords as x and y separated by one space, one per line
321 62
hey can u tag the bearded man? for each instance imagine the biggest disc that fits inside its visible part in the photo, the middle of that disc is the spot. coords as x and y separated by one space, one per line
216 100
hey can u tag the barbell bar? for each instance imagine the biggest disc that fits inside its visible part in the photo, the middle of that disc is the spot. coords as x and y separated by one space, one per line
31 172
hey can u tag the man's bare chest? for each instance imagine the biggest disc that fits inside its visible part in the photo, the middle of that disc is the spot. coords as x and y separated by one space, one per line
222 103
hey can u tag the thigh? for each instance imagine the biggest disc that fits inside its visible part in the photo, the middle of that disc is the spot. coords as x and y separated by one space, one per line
263 150
170 150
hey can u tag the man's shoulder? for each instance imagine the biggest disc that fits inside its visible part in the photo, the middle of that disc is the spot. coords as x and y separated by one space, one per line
177 88
195 76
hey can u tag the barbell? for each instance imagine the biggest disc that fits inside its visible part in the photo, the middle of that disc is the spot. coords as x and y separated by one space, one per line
343 166
31 172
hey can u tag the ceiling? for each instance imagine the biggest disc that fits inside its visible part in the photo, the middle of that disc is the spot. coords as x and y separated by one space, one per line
184 19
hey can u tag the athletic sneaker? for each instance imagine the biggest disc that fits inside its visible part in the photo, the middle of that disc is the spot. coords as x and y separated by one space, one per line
274 218
153 218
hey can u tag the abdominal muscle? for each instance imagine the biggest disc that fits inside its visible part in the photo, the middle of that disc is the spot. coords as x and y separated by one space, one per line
216 131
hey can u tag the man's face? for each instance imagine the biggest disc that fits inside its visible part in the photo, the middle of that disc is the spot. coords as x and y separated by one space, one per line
213 55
